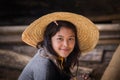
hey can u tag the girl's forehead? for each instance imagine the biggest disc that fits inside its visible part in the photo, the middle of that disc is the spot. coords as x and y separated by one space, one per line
65 31
66 28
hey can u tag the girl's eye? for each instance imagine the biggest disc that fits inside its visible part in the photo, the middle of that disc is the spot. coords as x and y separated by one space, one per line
72 39
59 39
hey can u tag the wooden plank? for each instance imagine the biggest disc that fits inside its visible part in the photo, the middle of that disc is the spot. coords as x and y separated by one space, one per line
112 36
108 27
10 39
108 41
12 59
102 18
11 29
92 56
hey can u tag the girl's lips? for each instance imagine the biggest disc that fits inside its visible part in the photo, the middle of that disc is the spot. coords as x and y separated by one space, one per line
65 49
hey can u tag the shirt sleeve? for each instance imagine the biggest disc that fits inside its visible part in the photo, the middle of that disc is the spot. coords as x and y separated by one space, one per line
26 73
46 71
40 68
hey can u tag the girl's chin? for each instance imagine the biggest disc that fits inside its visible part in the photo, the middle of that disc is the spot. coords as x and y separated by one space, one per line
64 56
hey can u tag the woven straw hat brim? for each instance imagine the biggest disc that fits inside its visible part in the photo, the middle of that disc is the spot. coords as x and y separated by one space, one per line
87 32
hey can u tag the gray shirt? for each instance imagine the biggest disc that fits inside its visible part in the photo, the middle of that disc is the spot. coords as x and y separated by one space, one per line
41 68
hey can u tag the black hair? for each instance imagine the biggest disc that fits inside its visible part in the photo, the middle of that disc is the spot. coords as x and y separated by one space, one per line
51 30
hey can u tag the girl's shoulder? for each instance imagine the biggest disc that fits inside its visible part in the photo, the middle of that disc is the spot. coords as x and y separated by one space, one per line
38 58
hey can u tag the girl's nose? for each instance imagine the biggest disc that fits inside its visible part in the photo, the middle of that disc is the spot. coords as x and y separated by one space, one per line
65 43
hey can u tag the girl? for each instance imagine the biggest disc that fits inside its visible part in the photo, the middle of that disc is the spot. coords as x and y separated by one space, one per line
60 40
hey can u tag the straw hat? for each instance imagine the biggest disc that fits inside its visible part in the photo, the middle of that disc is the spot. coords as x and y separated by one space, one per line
88 33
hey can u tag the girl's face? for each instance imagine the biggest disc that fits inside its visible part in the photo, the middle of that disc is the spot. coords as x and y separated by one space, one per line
63 42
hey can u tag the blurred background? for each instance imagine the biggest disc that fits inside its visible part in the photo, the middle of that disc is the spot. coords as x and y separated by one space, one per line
16 15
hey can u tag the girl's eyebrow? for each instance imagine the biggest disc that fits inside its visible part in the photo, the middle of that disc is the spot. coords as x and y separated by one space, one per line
72 36
63 36
60 36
